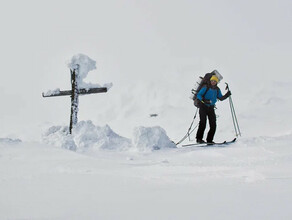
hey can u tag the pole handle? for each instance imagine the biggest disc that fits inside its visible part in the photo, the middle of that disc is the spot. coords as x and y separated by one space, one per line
227 87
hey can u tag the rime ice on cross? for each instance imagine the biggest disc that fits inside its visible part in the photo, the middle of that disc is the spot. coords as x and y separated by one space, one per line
79 67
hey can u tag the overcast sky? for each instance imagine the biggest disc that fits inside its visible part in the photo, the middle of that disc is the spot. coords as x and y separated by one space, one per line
134 42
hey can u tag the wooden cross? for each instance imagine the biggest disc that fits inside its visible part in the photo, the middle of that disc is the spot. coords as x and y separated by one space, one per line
74 93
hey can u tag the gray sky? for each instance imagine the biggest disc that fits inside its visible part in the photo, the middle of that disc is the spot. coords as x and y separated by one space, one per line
134 43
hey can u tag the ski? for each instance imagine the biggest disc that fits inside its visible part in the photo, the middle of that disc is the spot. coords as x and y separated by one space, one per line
209 144
223 143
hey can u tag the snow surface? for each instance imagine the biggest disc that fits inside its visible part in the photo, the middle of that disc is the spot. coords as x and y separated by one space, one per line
250 179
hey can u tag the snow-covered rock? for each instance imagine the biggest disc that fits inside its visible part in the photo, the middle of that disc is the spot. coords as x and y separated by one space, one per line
151 138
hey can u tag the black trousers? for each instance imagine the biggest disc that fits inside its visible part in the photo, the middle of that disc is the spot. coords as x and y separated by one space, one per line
205 112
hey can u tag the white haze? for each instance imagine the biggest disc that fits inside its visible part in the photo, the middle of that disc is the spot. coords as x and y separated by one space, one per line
152 52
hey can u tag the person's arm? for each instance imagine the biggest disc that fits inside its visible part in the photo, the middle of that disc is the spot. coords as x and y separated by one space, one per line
223 97
201 93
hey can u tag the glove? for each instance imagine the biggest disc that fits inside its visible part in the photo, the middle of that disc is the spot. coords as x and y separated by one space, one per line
225 96
228 94
206 101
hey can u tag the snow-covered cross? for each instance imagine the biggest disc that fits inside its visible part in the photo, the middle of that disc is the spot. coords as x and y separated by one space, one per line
79 66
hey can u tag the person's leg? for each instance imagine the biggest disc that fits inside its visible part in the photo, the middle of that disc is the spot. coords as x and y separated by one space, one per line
212 123
202 123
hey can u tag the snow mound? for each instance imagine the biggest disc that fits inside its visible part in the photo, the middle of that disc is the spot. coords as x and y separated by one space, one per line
59 136
86 137
151 138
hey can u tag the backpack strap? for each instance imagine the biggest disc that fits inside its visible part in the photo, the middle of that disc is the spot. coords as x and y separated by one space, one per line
203 96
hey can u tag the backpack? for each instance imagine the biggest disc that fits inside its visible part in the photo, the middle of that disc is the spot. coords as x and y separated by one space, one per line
203 81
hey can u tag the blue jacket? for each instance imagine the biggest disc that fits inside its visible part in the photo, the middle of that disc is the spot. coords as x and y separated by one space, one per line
212 94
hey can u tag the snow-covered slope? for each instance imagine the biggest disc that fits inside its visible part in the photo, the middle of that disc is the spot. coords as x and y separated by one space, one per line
250 179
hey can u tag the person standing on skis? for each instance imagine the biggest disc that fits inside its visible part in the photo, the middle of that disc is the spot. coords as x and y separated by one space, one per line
208 96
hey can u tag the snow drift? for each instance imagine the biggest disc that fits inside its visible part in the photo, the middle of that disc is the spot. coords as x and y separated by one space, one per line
153 138
87 137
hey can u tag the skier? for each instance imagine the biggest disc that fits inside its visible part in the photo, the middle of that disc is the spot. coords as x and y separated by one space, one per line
208 96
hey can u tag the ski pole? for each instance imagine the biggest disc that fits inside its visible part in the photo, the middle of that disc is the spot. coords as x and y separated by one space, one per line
192 124
189 130
234 118
239 133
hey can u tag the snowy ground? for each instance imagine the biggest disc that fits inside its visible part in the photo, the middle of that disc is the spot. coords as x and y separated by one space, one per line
120 163
250 179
